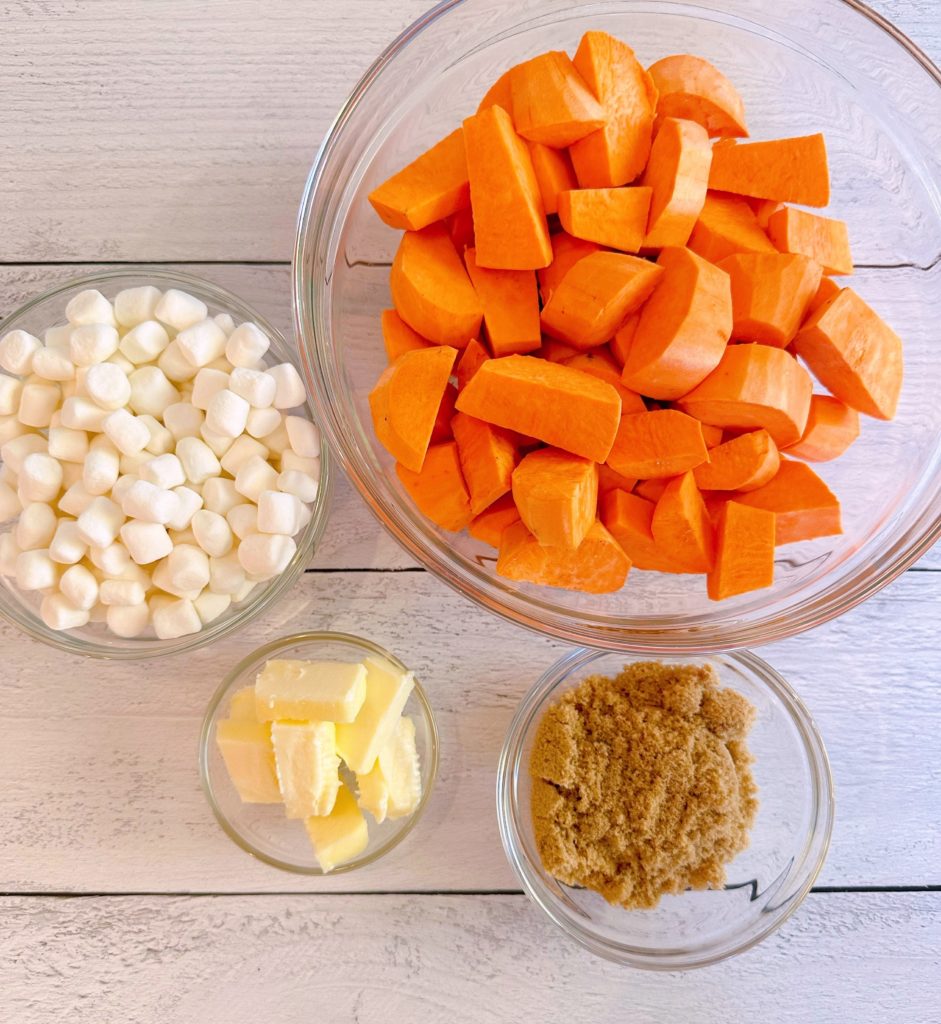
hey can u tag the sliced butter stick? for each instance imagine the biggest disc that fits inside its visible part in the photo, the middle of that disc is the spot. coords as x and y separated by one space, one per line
245 747
307 765
339 836
321 691
387 690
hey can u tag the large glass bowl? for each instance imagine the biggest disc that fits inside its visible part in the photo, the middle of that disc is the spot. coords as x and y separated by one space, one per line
95 639
802 66
765 883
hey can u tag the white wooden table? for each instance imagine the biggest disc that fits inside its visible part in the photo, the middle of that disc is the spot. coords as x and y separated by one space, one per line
181 132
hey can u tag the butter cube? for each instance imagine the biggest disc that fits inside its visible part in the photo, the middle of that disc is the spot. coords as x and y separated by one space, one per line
374 793
387 690
321 691
249 759
305 755
339 836
393 787
242 705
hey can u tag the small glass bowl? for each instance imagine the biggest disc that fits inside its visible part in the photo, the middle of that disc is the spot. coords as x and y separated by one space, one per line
262 829
95 640
765 883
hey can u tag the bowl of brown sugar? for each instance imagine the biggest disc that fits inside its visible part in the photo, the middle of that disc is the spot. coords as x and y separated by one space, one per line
665 814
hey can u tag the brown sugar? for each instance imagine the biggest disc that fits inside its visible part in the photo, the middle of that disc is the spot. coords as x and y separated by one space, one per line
642 784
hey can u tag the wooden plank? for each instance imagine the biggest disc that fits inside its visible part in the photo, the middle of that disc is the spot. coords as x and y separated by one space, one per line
99 760
841 957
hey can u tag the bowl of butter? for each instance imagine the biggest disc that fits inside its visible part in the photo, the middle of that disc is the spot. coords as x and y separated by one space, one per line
318 753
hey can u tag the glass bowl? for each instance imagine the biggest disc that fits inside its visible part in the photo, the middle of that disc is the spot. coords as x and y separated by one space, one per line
262 829
95 640
765 883
802 66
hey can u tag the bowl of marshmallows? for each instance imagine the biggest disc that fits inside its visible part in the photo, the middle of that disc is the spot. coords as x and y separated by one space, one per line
161 476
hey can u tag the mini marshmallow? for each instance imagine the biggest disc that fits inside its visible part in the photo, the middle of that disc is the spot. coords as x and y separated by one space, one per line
37 404
9 552
90 307
10 428
188 567
133 306
99 524
135 574
289 388
292 461
122 593
202 343
243 519
227 413
175 365
244 591
126 432
220 495
162 580
59 613
145 342
10 503
76 499
264 555
189 503
58 338
79 587
304 436
10 389
199 462
261 422
182 419
123 364
218 444
246 345
254 476
14 451
131 464
35 570
161 442
36 526
122 485
128 622
210 606
183 536
80 413
108 386
206 383
257 388
112 560
92 343
226 574
175 620
71 474
68 445
279 512
40 478
242 449
213 533
225 322
164 471
146 542
67 546
149 504
179 309
277 441
151 391
304 486
9 477
17 351
50 364
101 468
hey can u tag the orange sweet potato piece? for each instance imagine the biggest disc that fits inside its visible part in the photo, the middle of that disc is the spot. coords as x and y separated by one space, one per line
745 463
557 351
678 173
405 402
652 490
744 552
441 431
488 457
432 187
398 337
787 170
563 407
551 102
470 361
510 300
617 153
460 227
683 328
661 443
727 224
596 295
754 386
489 525
608 480
500 94
804 506
600 363
763 209
431 290
509 221
828 288
439 490
554 173
710 434
566 252
831 428
620 344
854 353
681 527
770 295
628 519
597 566
556 495
822 239
690 87
613 217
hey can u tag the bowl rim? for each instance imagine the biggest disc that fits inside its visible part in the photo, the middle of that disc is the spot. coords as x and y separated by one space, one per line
432 755
538 614
27 620
532 876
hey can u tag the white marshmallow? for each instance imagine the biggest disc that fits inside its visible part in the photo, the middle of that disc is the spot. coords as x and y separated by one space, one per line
146 542
10 503
202 343
9 552
36 526
10 428
183 536
242 449
128 622
76 499
179 309
264 555
277 441
220 495
244 591
161 440
292 481
59 613
292 461
8 476
175 365
80 413
122 363
68 445
246 345
151 391
17 351
199 462
261 422
40 478
92 343
79 587
71 474
304 436
131 464
122 485
126 432
37 404
205 384
90 307
289 388
188 567
183 419
16 449
112 560
149 504
108 386
227 414
210 606
189 503
99 524
51 364
213 533
226 574
58 338
164 471
243 519
218 444
176 619
67 546
145 342
279 512
35 570
122 593
255 476
135 574
162 580
101 468
133 306
225 322
255 387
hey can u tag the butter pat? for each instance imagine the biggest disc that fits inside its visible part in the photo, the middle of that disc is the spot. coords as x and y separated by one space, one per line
393 788
307 766
246 748
322 691
387 690
374 793
339 836
242 705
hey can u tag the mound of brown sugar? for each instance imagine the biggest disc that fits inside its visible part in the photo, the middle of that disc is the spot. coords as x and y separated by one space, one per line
642 784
